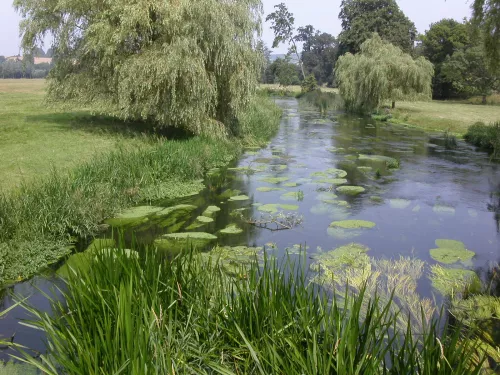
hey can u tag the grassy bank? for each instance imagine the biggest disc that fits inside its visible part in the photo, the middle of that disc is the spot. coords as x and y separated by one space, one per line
441 115
40 218
190 317
35 139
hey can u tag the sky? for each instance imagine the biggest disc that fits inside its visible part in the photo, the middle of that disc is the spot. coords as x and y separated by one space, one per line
322 14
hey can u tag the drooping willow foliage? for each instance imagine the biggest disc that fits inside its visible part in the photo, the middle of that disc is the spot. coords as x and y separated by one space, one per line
381 72
182 63
486 15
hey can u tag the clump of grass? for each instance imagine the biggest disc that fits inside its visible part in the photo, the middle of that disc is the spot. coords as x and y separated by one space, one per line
394 163
484 136
146 315
450 141
40 220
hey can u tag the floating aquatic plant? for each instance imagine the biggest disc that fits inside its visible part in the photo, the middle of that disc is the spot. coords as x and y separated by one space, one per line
266 189
378 158
332 181
210 211
399 203
376 199
443 209
133 216
229 193
352 224
453 281
231 229
351 190
451 251
239 198
272 208
291 184
182 241
275 180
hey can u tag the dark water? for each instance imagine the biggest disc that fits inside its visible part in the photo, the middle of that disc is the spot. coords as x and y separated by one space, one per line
435 194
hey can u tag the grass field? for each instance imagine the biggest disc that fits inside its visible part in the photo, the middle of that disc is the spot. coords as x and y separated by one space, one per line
34 138
442 115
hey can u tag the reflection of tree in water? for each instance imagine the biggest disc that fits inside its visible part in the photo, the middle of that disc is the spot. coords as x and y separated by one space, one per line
494 205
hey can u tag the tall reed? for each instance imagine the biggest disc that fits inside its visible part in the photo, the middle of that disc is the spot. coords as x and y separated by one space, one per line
154 315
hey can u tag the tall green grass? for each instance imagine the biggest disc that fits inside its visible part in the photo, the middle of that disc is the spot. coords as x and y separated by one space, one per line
152 315
39 221
484 136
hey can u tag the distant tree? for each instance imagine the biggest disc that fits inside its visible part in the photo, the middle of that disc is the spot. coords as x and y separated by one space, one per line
38 52
469 73
381 72
318 53
309 84
50 52
361 18
2 59
190 64
282 23
285 72
441 40
266 75
486 16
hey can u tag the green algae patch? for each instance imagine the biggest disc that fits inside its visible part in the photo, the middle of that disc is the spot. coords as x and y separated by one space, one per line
174 217
185 208
231 229
351 190
178 241
265 189
210 211
275 180
454 281
400 204
377 158
443 209
133 216
235 261
239 198
451 251
273 208
263 160
291 184
352 224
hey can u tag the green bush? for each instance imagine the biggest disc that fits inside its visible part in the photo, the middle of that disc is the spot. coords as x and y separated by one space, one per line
484 136
309 84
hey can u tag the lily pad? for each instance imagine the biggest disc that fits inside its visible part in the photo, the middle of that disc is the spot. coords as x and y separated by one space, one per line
451 251
275 180
453 281
443 209
229 193
399 203
351 190
290 196
376 199
290 184
352 224
133 216
273 208
232 229
239 198
178 241
332 181
204 219
266 189
210 211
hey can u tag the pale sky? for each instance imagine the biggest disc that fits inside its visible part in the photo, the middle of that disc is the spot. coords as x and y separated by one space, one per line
322 14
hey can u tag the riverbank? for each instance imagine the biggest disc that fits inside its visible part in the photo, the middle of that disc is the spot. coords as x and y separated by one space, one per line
98 170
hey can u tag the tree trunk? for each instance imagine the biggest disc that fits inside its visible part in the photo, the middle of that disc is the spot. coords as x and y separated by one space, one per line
484 99
393 105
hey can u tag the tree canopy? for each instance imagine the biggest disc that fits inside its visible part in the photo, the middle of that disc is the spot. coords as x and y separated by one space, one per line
486 15
441 40
361 18
381 72
184 63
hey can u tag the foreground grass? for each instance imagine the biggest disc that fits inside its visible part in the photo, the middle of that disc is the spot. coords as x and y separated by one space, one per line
136 313
40 219
35 139
442 116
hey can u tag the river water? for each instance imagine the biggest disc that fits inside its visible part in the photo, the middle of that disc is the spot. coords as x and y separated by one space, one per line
435 193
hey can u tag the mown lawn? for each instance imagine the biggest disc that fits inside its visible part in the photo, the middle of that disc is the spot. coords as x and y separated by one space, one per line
445 115
35 138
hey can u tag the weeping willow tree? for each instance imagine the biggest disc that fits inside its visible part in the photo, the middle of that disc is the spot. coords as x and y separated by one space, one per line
379 73
183 63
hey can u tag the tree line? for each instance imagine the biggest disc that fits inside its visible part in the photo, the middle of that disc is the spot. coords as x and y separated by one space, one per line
25 68
463 54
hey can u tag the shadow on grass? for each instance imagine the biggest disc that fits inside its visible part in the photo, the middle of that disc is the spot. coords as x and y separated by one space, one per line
102 124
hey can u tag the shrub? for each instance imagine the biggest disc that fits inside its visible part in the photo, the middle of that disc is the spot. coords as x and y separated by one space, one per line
484 136
309 84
